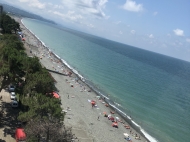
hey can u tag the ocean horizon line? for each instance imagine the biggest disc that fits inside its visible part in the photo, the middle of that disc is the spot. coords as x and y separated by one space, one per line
62 27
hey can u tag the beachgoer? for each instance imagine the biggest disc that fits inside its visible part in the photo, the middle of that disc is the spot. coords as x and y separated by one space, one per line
68 96
112 112
127 126
137 137
106 105
93 105
98 118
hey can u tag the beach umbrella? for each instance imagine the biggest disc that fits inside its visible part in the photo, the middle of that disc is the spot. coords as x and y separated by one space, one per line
117 118
114 124
20 134
126 135
111 118
55 95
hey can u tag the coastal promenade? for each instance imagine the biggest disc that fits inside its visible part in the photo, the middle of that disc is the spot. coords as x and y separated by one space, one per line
88 123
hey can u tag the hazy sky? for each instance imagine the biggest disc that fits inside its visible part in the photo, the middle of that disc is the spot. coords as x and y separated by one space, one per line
161 26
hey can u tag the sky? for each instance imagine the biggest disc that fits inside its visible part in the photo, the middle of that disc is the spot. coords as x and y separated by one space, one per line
161 26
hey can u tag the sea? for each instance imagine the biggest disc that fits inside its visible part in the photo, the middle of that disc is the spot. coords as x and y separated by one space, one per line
151 90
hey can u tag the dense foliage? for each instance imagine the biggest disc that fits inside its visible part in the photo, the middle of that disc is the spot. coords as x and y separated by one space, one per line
34 86
8 24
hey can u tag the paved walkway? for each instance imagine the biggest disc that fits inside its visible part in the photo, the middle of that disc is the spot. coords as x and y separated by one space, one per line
8 119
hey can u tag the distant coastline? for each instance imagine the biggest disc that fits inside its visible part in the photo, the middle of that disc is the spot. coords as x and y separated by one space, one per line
11 10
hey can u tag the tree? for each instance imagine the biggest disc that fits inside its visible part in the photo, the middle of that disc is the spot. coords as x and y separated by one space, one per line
44 118
31 65
8 24
39 82
4 72
47 130
12 56
42 112
41 107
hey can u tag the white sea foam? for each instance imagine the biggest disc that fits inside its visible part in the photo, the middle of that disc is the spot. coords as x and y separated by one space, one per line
103 95
149 137
117 104
57 56
33 33
43 44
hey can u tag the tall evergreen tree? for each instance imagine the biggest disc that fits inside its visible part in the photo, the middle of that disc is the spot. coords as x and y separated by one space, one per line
41 107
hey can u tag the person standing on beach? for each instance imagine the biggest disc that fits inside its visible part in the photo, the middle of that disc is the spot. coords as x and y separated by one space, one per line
98 118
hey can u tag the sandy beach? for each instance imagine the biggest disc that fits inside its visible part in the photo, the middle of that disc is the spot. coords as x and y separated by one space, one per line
88 123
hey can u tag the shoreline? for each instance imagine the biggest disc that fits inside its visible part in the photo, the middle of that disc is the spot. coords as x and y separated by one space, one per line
82 80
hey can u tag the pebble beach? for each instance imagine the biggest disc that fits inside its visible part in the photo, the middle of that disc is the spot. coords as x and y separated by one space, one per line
88 123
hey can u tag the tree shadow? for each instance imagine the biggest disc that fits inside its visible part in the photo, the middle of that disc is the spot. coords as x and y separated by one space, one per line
9 120
2 140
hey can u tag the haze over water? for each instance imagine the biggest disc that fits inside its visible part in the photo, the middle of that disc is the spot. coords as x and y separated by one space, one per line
151 88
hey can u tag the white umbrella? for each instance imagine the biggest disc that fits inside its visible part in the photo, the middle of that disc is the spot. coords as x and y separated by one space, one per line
126 135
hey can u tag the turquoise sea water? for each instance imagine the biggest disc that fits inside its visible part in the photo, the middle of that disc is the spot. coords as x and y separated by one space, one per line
151 88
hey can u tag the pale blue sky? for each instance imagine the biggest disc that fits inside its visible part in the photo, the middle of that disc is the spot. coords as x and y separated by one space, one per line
161 26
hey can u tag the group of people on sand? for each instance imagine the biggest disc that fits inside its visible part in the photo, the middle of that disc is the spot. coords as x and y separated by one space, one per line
116 120
93 103
135 135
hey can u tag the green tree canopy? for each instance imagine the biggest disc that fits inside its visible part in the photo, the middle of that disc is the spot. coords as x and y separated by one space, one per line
11 54
41 107
49 131
39 82
8 24
36 82
31 65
